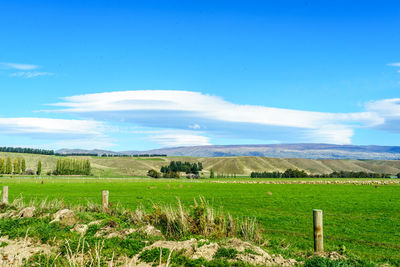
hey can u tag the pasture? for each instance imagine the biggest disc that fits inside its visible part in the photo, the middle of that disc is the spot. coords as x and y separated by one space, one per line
240 166
362 218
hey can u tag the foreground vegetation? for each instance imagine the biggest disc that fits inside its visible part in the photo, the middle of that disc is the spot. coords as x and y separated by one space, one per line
51 233
360 220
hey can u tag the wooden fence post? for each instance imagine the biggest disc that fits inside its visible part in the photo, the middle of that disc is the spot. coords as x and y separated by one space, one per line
5 194
105 195
318 231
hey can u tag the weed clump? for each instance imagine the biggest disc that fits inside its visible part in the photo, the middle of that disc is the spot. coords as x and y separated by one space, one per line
155 255
227 253
200 219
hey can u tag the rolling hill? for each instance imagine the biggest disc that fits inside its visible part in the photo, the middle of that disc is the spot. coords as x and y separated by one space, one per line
307 151
242 165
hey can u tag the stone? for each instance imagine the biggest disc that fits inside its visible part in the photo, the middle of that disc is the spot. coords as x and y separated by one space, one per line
149 230
28 212
65 217
80 228
95 222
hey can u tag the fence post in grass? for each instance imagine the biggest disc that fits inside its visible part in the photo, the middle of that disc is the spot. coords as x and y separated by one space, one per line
318 231
5 194
105 195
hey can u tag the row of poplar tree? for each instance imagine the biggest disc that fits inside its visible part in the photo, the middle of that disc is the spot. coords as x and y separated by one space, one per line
72 167
17 166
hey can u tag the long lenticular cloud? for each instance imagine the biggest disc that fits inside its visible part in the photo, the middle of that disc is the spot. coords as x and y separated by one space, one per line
215 116
50 127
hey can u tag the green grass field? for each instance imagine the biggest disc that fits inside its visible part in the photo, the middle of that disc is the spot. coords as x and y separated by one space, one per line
365 219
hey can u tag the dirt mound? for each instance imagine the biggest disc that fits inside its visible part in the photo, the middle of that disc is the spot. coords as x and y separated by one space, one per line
16 251
188 246
246 252
110 232
206 251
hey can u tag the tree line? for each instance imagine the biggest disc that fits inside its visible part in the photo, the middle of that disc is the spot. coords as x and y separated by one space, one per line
17 166
187 167
175 167
76 154
134 156
289 173
27 150
72 167
294 173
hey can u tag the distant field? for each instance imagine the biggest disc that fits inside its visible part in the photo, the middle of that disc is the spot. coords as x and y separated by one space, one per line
364 219
124 166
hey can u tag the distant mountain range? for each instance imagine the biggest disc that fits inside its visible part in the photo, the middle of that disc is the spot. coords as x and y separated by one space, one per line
307 151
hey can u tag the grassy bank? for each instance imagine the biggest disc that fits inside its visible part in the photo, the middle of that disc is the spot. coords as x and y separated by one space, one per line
362 219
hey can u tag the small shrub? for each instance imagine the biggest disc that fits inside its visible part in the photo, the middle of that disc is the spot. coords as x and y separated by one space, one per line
92 230
153 255
29 172
250 251
154 174
227 253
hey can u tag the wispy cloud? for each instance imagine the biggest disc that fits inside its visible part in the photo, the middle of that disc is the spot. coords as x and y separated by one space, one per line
57 133
23 70
46 127
396 64
185 110
389 110
83 143
179 138
29 74
18 66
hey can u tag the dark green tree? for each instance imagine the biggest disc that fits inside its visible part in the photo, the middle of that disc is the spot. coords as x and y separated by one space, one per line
73 167
8 166
154 174
211 173
2 166
17 166
23 165
39 168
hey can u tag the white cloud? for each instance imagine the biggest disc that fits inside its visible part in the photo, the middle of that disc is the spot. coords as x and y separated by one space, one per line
174 139
389 111
194 126
50 127
386 107
178 109
57 133
84 143
29 74
397 64
203 106
18 66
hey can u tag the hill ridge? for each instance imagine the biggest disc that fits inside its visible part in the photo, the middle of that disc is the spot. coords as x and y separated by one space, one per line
295 150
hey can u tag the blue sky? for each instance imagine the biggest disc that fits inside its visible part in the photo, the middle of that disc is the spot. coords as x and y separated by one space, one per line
127 75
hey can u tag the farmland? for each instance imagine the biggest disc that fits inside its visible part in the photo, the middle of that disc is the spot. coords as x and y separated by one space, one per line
241 166
363 218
